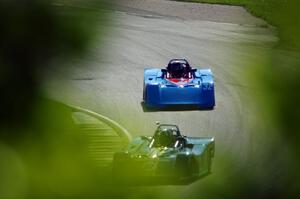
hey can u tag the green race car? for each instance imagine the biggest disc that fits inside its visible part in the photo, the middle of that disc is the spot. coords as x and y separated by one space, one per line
166 154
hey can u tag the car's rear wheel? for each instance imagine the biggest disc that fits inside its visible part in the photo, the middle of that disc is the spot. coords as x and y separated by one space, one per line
209 160
144 92
186 166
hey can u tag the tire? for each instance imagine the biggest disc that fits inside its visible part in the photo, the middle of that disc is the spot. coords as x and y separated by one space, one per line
208 108
185 166
209 160
144 91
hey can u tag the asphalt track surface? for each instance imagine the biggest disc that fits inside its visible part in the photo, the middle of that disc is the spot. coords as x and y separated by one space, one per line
110 79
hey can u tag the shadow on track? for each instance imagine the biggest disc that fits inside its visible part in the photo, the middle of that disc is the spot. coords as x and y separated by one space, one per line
170 108
156 181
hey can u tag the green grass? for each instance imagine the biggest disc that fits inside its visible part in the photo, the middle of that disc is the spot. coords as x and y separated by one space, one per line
227 2
259 8
283 14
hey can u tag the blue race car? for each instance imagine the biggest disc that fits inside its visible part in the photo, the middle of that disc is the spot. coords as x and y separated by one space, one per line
178 84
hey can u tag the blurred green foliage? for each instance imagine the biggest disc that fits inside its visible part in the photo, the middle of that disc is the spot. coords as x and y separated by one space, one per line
284 14
32 33
42 154
279 79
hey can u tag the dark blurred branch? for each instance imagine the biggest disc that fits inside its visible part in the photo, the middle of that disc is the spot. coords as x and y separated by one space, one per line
32 33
